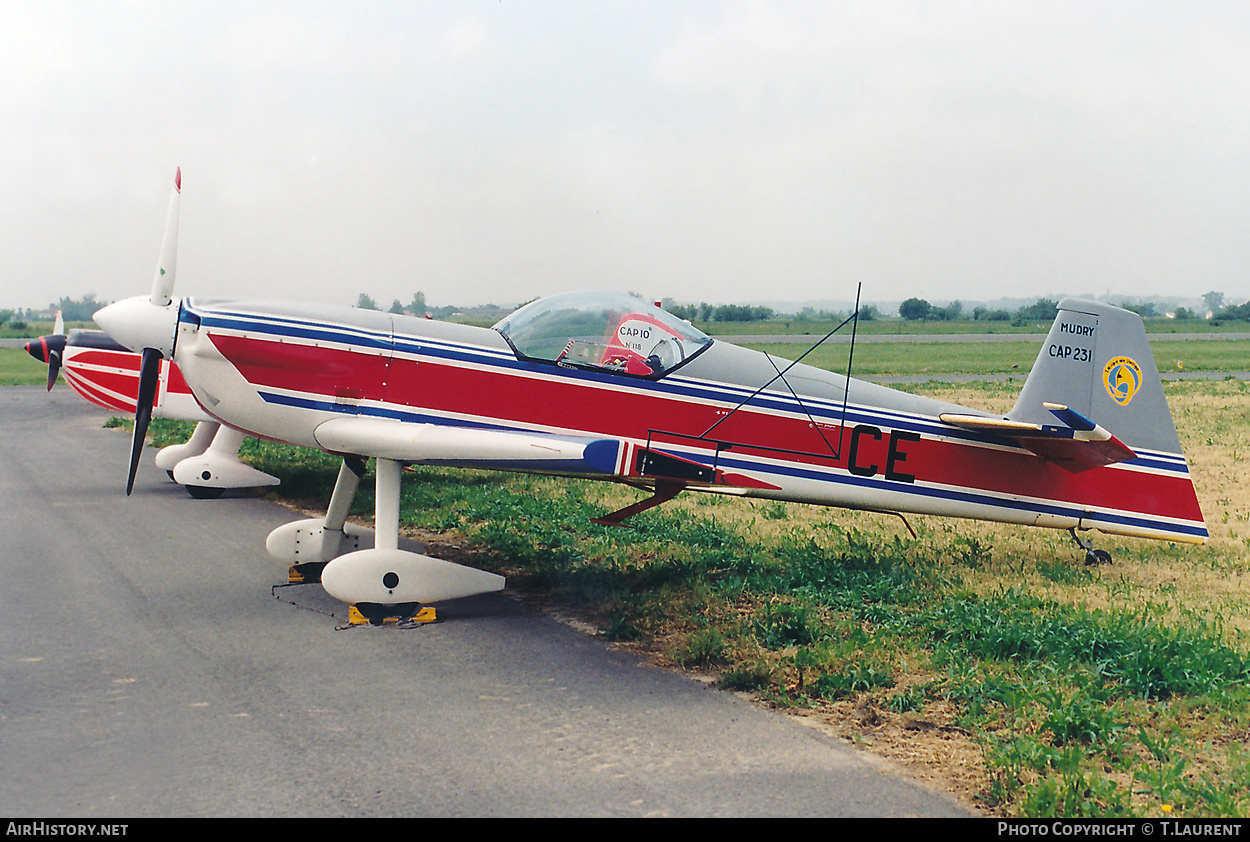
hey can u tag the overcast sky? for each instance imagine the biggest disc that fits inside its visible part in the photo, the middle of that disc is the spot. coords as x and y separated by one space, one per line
720 151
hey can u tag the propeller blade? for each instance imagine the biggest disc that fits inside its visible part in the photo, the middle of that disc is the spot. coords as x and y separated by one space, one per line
48 349
149 375
150 321
54 351
163 282
54 368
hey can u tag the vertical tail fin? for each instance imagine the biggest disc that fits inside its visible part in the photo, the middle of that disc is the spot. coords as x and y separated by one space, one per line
1097 361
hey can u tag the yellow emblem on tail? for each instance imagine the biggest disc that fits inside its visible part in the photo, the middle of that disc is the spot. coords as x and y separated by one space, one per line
1122 377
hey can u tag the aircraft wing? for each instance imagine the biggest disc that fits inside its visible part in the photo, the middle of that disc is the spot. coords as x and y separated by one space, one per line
1078 444
470 447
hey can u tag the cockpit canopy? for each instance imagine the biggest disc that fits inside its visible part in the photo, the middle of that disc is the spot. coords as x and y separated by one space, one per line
602 331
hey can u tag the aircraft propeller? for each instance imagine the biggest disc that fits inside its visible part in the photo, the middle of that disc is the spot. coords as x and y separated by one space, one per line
149 324
50 349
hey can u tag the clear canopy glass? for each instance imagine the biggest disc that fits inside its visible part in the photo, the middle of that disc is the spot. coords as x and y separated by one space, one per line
602 330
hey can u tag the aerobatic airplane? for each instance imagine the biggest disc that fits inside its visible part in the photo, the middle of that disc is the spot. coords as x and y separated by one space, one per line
608 386
107 374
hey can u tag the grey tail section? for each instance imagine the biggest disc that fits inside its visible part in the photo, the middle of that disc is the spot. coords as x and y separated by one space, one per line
1097 361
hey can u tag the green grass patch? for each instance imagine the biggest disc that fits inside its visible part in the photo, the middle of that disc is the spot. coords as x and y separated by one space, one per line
1130 649
18 368
936 359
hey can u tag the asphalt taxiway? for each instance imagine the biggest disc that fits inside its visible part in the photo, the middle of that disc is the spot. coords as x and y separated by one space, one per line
146 669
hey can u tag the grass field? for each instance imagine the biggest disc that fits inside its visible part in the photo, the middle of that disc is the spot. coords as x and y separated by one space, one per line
18 369
987 658
1009 358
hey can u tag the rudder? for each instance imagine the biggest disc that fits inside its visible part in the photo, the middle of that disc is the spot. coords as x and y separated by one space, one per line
1097 361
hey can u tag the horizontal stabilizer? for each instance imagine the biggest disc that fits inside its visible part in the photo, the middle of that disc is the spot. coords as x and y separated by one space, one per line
1078 444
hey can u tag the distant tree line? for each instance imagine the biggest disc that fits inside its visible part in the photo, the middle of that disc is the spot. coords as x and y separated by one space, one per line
1146 309
477 313
867 313
913 309
72 310
82 310
1214 303
918 309
705 312
1235 313
416 307
984 314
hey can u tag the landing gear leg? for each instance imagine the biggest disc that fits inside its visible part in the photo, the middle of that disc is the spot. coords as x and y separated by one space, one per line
350 472
386 504
1092 556
385 537
168 457
206 475
308 545
386 582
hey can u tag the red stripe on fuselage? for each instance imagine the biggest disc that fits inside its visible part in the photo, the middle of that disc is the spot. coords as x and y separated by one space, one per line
86 364
331 372
561 399
89 391
175 383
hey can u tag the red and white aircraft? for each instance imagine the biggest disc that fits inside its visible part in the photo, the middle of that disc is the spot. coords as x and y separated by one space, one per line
607 386
107 374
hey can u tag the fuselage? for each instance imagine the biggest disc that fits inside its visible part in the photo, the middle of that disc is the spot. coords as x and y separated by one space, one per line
107 374
812 436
